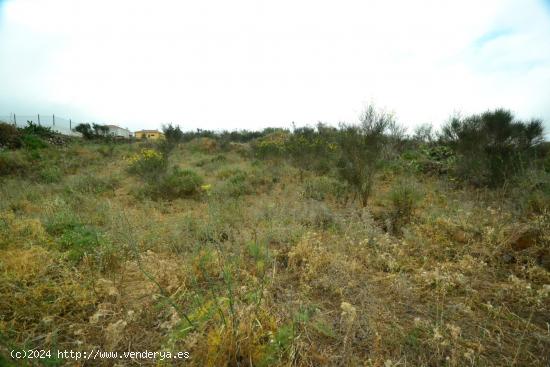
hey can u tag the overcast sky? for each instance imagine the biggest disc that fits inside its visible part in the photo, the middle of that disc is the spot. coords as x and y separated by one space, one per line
221 64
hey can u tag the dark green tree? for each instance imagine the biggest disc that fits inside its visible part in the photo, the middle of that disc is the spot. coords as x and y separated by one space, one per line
85 130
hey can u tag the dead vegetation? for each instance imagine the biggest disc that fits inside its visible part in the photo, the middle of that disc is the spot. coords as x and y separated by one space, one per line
267 264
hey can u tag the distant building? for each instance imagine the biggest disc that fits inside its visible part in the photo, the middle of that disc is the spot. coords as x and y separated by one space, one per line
118 131
149 134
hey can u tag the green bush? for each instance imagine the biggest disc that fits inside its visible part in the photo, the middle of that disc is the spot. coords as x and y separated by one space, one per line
148 164
404 198
361 148
173 134
62 221
50 174
90 184
226 173
312 149
107 150
79 242
13 163
85 241
38 130
85 130
530 193
270 146
10 136
317 215
33 142
493 147
264 177
177 184
323 187
236 183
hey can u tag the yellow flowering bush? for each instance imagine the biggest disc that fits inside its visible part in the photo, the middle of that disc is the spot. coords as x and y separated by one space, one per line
271 145
148 163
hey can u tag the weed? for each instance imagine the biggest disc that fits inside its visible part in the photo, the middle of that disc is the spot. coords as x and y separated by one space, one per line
33 142
404 198
10 137
323 187
13 163
50 174
237 183
92 184
177 184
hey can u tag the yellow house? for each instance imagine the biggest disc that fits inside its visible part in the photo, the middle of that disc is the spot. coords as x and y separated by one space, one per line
149 134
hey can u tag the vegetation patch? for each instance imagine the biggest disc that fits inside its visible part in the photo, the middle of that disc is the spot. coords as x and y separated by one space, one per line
316 246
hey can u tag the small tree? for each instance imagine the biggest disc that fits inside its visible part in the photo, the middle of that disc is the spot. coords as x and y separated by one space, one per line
173 136
173 133
100 130
85 130
361 148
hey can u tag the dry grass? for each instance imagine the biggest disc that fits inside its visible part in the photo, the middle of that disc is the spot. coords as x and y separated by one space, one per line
263 275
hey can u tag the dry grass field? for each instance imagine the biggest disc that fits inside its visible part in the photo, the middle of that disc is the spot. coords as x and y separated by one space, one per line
248 259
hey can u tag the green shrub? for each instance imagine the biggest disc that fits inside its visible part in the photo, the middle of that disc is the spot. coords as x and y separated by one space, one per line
270 146
33 142
148 164
226 173
107 150
50 174
433 159
177 184
10 136
279 346
86 130
90 184
38 130
404 198
531 193
85 241
493 147
62 221
323 187
79 242
264 177
173 134
361 149
13 163
317 215
235 184
312 149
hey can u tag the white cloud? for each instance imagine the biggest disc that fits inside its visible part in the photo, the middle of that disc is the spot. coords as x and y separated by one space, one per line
249 64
